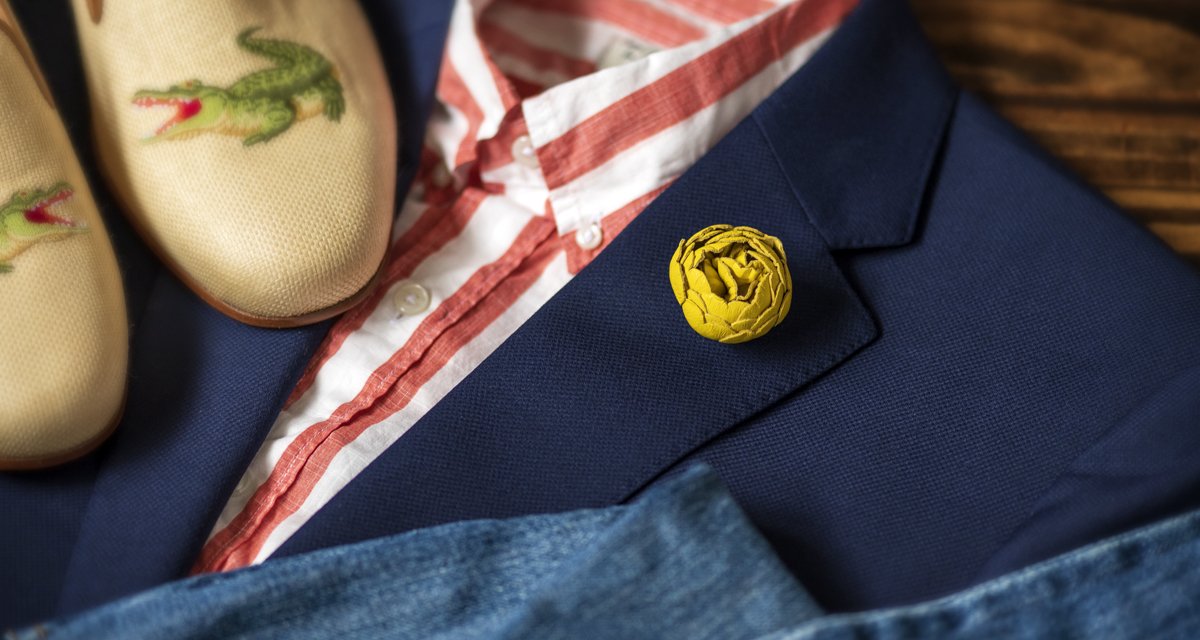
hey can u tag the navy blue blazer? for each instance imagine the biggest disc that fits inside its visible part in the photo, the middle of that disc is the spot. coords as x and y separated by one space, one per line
986 363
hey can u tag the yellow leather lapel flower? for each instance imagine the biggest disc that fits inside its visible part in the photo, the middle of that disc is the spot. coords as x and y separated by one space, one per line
733 283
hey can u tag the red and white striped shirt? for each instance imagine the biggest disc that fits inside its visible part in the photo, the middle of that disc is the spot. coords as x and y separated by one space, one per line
557 123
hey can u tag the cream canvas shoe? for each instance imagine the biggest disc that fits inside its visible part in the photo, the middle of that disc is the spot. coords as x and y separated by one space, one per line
64 344
252 143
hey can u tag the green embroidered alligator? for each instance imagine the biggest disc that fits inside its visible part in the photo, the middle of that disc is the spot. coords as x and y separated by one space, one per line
258 107
25 220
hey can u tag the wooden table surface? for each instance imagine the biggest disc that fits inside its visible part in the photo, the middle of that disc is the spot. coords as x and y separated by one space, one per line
1110 86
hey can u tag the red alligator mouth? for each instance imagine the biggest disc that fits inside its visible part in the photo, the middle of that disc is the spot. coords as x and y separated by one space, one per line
39 213
185 109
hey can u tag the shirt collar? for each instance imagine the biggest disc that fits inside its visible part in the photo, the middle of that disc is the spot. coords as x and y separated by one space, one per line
605 143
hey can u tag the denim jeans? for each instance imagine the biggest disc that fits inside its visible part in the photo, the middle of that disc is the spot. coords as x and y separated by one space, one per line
680 562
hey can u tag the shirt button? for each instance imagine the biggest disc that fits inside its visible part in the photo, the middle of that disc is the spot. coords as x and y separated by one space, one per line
590 237
524 153
411 299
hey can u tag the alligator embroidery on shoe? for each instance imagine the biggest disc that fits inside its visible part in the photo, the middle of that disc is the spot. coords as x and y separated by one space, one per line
258 107
25 220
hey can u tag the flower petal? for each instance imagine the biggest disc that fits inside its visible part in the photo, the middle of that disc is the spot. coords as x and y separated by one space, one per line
716 282
693 313
697 281
728 281
676 275
717 306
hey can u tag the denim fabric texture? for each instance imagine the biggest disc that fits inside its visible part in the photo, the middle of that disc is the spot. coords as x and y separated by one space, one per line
681 562
1142 584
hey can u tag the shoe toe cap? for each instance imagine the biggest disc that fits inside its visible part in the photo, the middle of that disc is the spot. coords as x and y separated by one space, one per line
287 261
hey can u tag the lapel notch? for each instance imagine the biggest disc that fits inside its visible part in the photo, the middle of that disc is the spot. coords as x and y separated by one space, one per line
859 128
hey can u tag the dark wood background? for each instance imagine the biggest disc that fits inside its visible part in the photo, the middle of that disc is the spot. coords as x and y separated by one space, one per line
1110 86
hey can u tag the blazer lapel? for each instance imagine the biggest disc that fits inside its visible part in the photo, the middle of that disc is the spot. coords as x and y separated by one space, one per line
607 386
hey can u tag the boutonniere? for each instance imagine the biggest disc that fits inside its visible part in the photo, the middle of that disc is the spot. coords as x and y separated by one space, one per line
732 283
